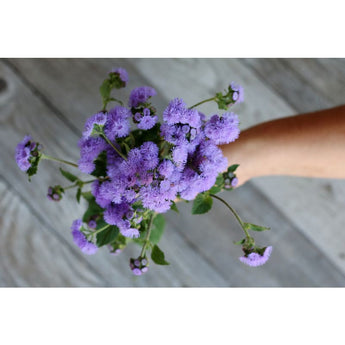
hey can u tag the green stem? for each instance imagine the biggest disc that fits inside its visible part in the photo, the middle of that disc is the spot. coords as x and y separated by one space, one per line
44 156
233 212
146 243
99 230
204 101
113 146
77 184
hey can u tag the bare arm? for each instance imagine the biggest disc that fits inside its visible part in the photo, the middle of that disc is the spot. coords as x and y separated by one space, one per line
310 145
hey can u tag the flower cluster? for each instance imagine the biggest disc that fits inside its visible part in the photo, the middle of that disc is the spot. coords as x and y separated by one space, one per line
27 153
140 167
255 259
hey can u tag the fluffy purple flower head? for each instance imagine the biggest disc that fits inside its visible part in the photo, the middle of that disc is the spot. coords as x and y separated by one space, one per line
90 148
177 112
96 119
80 240
174 111
166 168
130 232
224 129
180 155
147 122
155 199
238 95
122 74
255 259
140 95
117 124
24 153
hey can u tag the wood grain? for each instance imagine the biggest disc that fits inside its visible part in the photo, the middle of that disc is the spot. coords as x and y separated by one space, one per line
303 256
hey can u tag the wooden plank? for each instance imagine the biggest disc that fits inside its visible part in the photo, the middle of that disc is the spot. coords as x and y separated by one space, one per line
295 260
31 256
24 113
196 79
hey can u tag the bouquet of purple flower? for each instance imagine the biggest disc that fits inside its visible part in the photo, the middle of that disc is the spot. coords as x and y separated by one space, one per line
140 168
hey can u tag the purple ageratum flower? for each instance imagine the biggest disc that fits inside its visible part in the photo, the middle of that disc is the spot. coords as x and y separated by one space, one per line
166 168
140 95
90 148
80 240
130 232
238 95
155 199
147 122
23 153
117 124
224 129
180 155
174 111
234 182
177 112
97 119
255 259
122 74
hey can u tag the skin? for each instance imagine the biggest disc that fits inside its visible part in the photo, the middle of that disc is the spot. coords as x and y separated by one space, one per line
308 145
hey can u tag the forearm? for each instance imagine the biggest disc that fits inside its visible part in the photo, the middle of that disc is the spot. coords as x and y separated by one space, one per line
311 145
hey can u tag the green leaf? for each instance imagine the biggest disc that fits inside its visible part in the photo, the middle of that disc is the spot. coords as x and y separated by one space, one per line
174 207
157 230
107 236
233 167
238 243
68 175
202 204
105 89
158 256
215 189
254 227
78 195
34 166
87 196
92 210
100 165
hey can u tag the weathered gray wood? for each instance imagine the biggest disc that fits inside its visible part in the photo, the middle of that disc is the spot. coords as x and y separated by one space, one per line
295 260
25 113
194 80
31 256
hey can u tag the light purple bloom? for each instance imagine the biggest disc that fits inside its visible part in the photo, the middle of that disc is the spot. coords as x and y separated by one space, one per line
177 112
97 119
122 73
140 95
90 148
80 240
117 125
147 122
24 153
137 271
238 95
129 232
224 129
92 224
255 259
234 182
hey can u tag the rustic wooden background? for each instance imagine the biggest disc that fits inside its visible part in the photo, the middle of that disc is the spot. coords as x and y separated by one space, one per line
51 98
